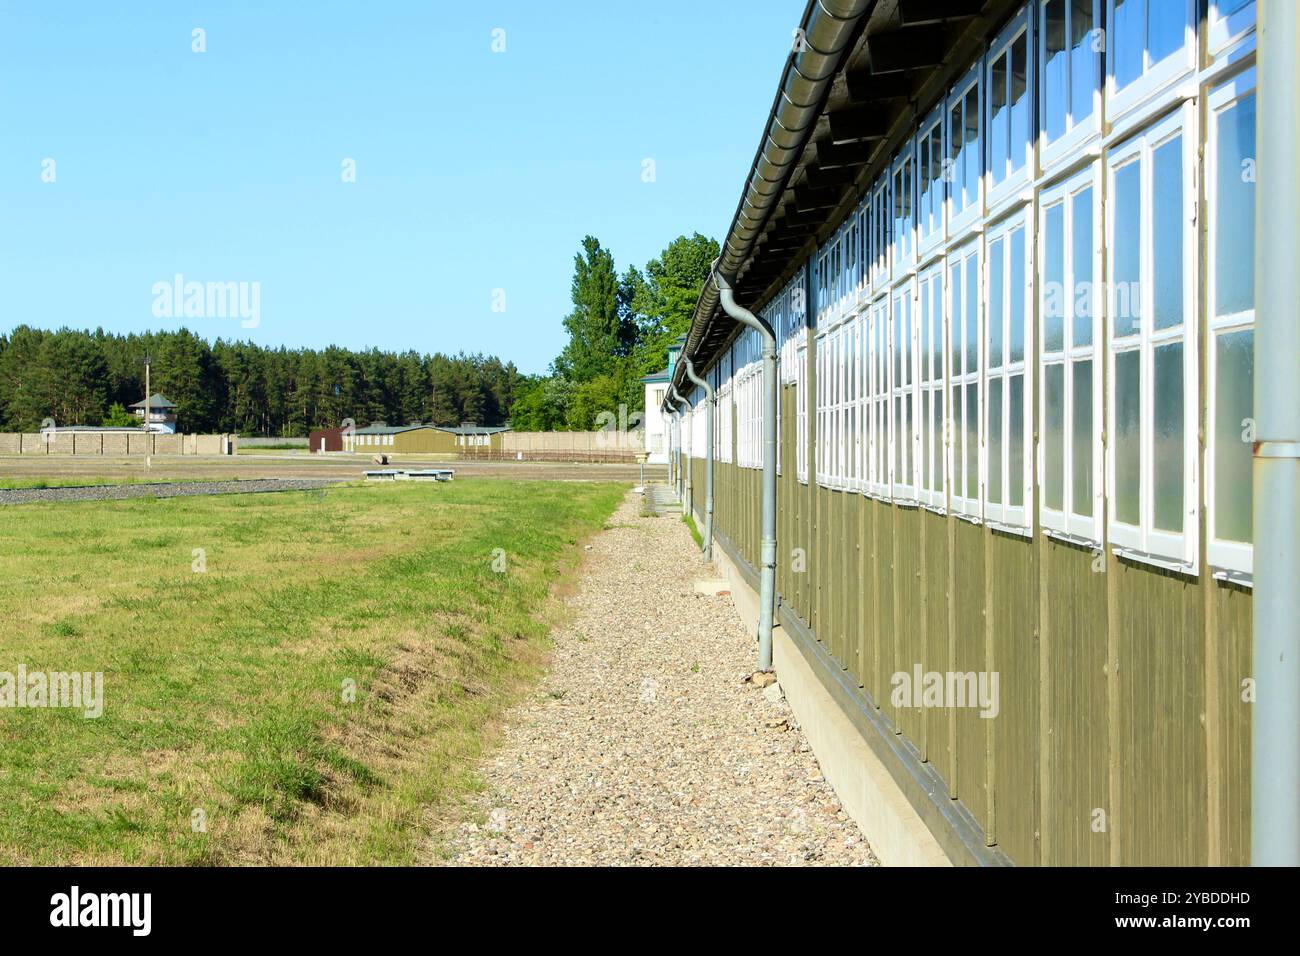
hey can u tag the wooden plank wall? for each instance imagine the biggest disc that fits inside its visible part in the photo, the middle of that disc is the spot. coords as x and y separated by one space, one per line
1121 736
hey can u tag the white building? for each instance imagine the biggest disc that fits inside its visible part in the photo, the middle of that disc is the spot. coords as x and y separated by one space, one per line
656 422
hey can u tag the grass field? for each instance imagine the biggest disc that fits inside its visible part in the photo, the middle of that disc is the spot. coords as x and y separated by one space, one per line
226 735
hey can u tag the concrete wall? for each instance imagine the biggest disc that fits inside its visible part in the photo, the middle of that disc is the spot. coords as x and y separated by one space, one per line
111 443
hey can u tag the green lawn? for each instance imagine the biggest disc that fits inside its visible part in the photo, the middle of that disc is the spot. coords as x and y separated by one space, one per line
224 689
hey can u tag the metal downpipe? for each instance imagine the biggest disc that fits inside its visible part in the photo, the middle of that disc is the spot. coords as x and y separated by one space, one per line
1275 721
767 576
684 472
710 409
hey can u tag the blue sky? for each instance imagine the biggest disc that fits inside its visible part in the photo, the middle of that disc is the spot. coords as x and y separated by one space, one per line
475 170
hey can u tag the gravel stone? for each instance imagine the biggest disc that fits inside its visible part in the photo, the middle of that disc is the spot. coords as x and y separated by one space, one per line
646 743
170 489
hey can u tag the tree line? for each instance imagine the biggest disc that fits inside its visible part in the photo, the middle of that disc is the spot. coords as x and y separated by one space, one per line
619 330
91 378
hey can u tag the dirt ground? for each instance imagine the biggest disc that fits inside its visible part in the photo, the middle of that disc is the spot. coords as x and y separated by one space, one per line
290 465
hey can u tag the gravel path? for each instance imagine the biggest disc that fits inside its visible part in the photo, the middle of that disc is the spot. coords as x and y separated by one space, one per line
645 744
177 489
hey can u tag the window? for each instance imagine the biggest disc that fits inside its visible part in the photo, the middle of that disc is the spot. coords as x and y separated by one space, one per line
880 232
877 355
858 397
723 426
963 316
1151 44
1008 423
965 151
903 223
1070 45
930 183
1152 395
844 406
823 407
866 251
902 386
931 458
801 414
1230 285
1070 389
1229 21
1009 121
851 264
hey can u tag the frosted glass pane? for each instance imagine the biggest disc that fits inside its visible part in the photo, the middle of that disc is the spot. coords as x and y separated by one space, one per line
1083 61
1166 28
1235 356
1128 437
1000 121
1127 40
936 327
1019 93
956 131
1167 238
1234 228
1081 488
1168 475
898 440
1054 437
1085 302
972 316
1054 292
1016 294
1126 249
936 441
1055 69
972 137
1016 441
908 426
994 409
955 416
995 317
955 319
972 441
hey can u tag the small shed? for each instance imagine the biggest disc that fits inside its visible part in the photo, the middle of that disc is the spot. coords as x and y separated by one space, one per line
325 439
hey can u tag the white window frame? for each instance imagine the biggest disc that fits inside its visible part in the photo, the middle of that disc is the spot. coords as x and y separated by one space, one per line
1069 144
877 355
1015 179
902 395
963 377
903 228
820 403
932 386
1144 541
931 224
1222 554
961 221
1223 31
1067 520
1155 77
801 412
1019 517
